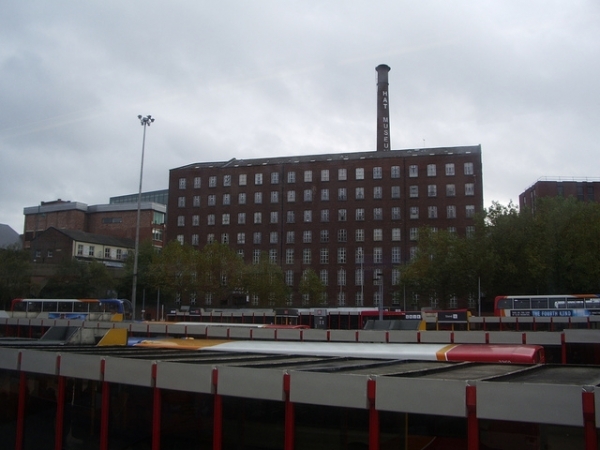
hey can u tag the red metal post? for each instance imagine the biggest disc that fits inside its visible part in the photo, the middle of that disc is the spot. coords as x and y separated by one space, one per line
472 422
290 424
21 410
104 412
156 411
589 420
373 416
217 413
60 413
563 348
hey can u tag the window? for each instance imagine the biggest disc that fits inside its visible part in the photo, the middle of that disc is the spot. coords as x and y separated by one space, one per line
377 255
197 182
359 235
242 179
395 192
360 214
324 256
273 237
396 255
242 198
182 183
289 237
414 212
432 190
307 237
196 201
323 275
470 231
324 195
291 217
257 237
258 198
359 255
342 194
414 191
359 193
431 170
212 200
308 195
470 210
342 215
80 249
413 171
395 213
257 217
210 219
291 196
468 168
413 234
212 182
274 177
180 221
396 234
377 173
308 176
377 192
452 230
324 215
258 179
181 202
450 190
324 235
291 177
210 238
341 279
255 256
432 212
225 238
106 253
241 238
241 218
377 234
274 196
226 199
360 173
306 256
395 172
325 175
450 169
225 219
226 180
342 235
308 215
377 214
469 189
341 255
358 277
451 212
274 217
273 256
342 175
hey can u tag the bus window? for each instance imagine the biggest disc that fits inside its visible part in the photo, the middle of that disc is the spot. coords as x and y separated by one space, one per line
522 303
505 303
575 303
49 306
96 307
539 303
65 307
81 307
19 306
560 303
592 303
34 306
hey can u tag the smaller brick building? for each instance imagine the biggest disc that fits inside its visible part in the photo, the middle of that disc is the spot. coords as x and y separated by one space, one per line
584 189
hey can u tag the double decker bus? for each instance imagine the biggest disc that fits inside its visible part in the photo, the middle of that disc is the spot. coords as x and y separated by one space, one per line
99 309
574 305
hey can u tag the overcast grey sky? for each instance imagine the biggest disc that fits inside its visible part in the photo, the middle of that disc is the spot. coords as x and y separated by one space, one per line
244 79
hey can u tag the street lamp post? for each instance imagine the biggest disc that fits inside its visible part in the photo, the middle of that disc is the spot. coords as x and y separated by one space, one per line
145 121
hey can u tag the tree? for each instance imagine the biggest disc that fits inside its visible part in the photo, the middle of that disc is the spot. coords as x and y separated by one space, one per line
15 275
220 273
79 279
175 270
265 281
312 287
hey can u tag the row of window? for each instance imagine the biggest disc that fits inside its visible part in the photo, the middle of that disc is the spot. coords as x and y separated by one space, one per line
342 175
109 253
325 216
307 236
342 195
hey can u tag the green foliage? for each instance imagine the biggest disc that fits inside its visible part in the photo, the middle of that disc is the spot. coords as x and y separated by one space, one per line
265 280
79 279
312 286
15 275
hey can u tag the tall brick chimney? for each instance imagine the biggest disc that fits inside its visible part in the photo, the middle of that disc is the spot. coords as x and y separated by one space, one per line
383 109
